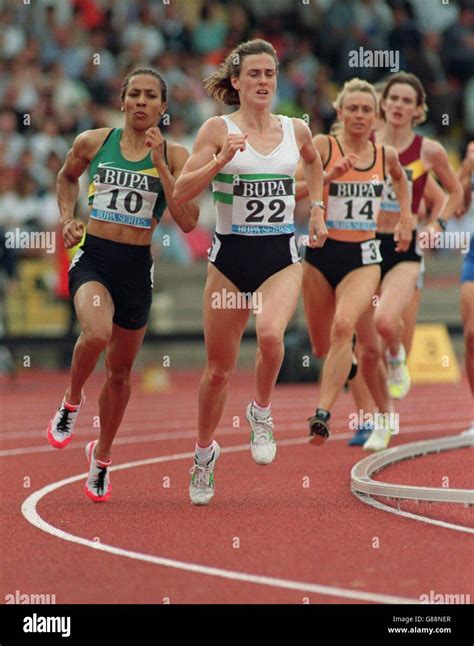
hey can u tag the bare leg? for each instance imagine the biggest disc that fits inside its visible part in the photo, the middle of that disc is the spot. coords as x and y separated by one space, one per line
279 295
95 311
353 296
223 329
120 355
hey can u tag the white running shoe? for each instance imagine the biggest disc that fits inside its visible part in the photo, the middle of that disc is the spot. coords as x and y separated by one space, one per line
61 427
97 487
262 442
379 438
398 375
201 487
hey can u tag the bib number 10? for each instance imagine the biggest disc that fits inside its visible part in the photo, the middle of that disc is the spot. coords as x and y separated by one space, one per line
132 201
256 207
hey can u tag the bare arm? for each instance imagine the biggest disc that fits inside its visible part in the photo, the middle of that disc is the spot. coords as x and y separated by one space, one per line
67 183
213 149
438 160
341 167
465 174
434 197
313 174
403 230
186 215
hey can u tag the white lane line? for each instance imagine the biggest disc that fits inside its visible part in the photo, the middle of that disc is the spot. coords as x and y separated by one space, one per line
226 430
130 425
30 513
368 500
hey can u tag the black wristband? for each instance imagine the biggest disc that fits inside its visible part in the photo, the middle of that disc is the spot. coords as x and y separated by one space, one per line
442 223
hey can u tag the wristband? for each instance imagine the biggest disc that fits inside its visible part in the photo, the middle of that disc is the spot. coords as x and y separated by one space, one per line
318 203
442 223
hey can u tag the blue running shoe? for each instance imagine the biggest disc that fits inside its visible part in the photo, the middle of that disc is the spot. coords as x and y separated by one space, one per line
361 435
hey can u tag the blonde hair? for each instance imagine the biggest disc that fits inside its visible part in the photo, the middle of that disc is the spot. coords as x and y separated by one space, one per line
219 85
353 85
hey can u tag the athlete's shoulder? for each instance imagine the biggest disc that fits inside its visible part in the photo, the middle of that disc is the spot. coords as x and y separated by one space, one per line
87 143
177 154
432 147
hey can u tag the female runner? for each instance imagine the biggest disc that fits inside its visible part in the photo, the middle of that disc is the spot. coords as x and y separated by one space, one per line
110 277
251 157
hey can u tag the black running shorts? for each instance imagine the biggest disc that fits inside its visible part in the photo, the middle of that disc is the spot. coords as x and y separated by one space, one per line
392 257
125 270
335 259
247 261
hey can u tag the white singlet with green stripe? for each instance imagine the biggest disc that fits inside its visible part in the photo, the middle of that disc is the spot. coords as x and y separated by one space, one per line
255 194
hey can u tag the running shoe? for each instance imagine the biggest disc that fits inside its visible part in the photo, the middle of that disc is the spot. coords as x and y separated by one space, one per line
61 427
379 438
97 487
318 427
361 434
398 375
262 443
201 487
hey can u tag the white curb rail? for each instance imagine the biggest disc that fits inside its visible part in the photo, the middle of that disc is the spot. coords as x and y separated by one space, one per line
362 482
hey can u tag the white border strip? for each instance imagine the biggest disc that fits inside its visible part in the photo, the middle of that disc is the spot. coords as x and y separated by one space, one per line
361 481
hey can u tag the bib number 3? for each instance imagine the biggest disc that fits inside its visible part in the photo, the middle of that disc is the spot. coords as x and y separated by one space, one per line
371 252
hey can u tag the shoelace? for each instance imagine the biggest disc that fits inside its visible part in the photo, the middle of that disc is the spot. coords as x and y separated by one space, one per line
63 426
261 429
202 471
99 482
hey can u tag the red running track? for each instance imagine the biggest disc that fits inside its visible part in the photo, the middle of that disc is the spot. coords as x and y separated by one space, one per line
294 522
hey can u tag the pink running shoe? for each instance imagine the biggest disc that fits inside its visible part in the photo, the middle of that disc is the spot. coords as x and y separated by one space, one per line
97 487
61 427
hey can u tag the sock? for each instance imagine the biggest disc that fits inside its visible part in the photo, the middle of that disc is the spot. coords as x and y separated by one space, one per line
204 454
323 414
261 412
400 356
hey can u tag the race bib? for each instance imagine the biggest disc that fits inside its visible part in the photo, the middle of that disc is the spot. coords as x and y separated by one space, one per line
389 199
263 206
124 196
371 252
354 205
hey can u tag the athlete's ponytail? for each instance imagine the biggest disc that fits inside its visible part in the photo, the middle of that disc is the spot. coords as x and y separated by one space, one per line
219 85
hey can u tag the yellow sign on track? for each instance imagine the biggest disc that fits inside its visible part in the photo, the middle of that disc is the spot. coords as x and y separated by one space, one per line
432 358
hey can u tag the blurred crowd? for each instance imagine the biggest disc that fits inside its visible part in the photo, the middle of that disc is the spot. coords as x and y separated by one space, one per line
62 63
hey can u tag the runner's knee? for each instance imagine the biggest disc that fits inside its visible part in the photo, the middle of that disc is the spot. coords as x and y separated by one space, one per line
97 338
269 340
218 377
342 329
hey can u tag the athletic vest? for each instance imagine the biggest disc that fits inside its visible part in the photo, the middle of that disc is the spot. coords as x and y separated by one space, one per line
254 194
352 202
122 191
416 173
